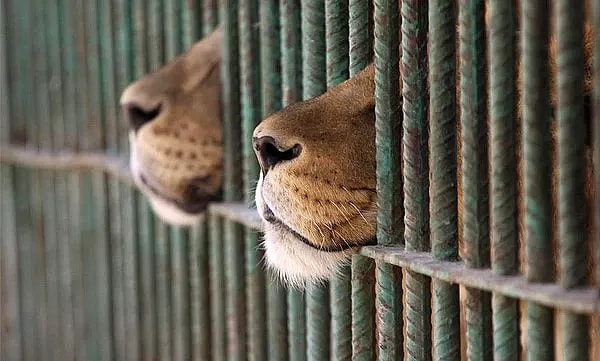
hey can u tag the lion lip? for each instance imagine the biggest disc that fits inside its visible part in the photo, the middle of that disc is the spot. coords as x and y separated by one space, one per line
270 217
190 208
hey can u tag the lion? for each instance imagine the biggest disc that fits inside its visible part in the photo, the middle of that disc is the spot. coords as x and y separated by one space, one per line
316 192
176 151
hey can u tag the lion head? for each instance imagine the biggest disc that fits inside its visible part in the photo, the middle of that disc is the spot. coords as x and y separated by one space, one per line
175 133
316 196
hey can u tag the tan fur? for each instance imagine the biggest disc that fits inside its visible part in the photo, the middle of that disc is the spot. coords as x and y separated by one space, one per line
180 152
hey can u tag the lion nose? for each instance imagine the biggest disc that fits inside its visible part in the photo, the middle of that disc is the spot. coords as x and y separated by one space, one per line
270 153
138 115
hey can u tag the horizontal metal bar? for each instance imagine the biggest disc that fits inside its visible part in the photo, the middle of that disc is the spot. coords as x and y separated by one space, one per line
580 300
238 212
66 160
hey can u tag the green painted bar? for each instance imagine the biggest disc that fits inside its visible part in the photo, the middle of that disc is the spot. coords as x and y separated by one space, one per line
163 292
573 250
473 121
390 215
314 83
415 175
337 62
271 90
291 86
192 22
217 291
363 308
235 308
199 292
503 205
256 324
179 290
443 203
536 169
10 342
156 52
362 268
210 16
230 100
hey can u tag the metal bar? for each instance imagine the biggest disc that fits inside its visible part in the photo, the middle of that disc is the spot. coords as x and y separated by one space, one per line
210 16
474 171
291 86
573 250
200 292
595 209
256 310
10 342
180 311
579 300
235 308
415 172
217 291
271 89
443 203
390 229
536 169
192 22
314 83
230 102
163 292
503 216
362 268
337 62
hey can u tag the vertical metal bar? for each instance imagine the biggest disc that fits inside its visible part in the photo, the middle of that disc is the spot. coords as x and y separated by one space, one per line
474 171
126 202
362 269
210 16
314 83
270 58
94 226
596 164
337 62
291 86
390 225
235 308
180 312
443 203
536 169
192 22
503 203
230 100
163 292
10 342
217 291
200 300
571 171
415 174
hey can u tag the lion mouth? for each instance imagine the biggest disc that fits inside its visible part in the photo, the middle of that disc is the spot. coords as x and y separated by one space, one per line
196 207
270 217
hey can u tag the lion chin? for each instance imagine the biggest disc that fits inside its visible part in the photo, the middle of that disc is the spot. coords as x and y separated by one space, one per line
292 259
166 209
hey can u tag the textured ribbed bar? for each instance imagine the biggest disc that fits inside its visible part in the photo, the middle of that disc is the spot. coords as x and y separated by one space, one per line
291 85
359 37
217 290
362 269
314 83
503 173
256 331
390 213
235 308
230 102
192 21
474 171
573 250
336 39
163 291
210 18
536 169
270 60
443 204
180 312
363 308
199 292
415 174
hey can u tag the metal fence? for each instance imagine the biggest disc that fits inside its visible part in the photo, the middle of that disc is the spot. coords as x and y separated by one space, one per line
88 273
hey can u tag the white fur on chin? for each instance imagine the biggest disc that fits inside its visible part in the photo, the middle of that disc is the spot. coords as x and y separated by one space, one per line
164 209
297 263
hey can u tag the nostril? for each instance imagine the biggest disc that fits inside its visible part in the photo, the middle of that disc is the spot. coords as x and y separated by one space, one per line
139 116
270 153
